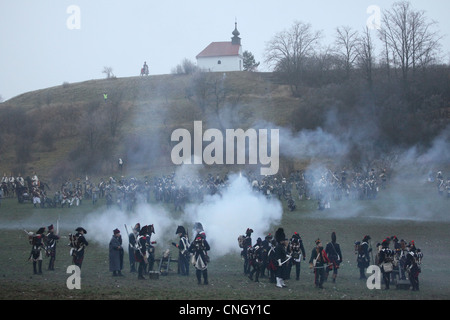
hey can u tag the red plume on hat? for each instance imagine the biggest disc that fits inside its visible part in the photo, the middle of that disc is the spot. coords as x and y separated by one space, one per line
116 231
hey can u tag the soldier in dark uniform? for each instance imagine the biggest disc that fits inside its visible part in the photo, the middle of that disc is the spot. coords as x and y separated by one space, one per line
362 251
132 246
271 261
265 254
52 238
412 264
297 251
247 243
183 251
37 246
256 261
280 257
319 261
141 252
200 247
150 248
78 243
334 253
386 258
116 254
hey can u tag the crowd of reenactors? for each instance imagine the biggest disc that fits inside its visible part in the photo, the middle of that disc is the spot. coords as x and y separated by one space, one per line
43 243
324 186
278 255
398 263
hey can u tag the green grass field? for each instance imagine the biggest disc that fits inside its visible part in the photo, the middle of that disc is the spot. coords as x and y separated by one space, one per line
226 279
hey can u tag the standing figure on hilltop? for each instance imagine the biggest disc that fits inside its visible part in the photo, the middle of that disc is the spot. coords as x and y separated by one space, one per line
144 69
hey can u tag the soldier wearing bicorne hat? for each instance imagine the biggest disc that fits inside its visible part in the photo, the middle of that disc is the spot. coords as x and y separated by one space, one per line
52 238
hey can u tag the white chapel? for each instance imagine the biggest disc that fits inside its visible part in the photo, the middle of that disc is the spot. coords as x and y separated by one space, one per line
222 56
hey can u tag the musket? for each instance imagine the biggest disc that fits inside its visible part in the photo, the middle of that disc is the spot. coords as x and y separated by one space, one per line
135 238
281 263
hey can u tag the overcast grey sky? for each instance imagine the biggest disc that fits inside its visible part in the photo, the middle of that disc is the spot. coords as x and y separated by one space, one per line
39 49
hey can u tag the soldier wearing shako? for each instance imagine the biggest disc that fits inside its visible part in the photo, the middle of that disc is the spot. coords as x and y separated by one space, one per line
385 260
334 253
78 243
141 251
150 248
256 260
37 246
51 240
297 251
319 261
412 264
247 243
183 251
265 254
362 251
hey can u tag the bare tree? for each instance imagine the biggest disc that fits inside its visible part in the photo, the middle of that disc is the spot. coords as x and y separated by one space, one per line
365 59
346 45
109 72
409 37
288 51
185 67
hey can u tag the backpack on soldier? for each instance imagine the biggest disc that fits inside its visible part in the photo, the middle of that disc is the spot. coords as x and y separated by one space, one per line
241 239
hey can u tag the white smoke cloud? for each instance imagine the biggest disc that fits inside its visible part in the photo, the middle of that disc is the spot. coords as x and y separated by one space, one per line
224 217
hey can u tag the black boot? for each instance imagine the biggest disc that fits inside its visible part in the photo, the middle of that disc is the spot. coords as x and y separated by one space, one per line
34 267
198 273
39 266
205 276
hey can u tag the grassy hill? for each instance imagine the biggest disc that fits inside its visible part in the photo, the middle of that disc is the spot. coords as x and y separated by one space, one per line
54 130
79 129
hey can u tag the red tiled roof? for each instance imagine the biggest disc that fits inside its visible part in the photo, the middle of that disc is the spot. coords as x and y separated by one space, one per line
215 49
